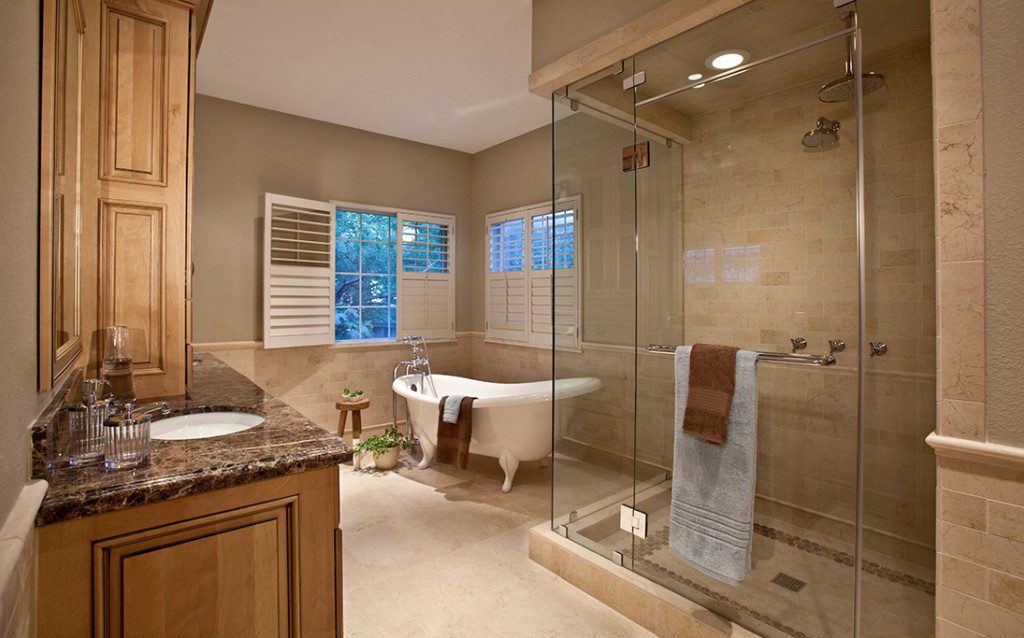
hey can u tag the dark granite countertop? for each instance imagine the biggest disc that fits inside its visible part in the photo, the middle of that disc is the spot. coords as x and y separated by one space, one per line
286 443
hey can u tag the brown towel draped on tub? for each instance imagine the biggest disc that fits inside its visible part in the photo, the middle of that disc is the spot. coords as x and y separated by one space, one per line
453 438
711 386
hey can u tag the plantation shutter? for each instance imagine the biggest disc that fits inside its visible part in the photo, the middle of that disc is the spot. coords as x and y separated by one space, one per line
426 286
298 272
506 278
553 260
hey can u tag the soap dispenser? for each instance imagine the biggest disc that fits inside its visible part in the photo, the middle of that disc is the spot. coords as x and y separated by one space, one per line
85 424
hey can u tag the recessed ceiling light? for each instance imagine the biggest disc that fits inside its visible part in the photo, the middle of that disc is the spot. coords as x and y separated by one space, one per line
730 59
695 76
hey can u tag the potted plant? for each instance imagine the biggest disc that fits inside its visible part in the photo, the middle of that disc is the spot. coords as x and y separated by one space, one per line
384 447
352 396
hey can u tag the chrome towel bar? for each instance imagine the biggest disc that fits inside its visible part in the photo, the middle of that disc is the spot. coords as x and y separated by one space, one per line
773 357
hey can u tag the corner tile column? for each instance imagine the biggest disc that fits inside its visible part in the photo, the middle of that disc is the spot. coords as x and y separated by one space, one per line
980 535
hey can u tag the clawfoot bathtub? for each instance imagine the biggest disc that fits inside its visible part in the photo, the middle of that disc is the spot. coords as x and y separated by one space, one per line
511 421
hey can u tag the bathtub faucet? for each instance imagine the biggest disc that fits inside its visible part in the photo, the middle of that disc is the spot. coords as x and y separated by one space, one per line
418 364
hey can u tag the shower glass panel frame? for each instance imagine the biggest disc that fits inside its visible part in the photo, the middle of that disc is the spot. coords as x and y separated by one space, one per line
600 464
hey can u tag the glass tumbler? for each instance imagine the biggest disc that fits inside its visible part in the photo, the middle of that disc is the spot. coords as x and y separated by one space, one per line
85 431
126 441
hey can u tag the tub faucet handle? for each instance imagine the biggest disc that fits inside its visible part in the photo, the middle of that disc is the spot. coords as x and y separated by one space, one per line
799 343
836 345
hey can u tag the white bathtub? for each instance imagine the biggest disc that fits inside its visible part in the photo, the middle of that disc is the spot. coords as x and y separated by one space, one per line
511 421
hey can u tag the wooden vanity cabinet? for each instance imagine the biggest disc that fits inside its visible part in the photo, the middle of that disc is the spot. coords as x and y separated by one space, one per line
260 559
137 93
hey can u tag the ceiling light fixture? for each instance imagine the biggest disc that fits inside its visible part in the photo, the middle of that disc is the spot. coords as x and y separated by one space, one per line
724 60
695 76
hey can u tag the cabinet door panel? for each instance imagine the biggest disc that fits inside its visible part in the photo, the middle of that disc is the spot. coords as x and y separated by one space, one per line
132 284
224 585
134 98
229 574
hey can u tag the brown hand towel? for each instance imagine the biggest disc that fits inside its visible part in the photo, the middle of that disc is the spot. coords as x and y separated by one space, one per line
453 438
711 386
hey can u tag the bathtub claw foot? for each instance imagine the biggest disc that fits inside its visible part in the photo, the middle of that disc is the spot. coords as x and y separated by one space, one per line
428 453
510 464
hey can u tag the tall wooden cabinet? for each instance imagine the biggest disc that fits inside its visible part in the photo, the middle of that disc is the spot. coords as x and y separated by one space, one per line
137 97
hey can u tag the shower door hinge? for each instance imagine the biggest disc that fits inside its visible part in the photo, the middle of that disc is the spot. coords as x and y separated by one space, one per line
634 81
633 521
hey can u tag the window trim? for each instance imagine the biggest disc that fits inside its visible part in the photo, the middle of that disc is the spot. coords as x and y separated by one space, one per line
526 213
443 218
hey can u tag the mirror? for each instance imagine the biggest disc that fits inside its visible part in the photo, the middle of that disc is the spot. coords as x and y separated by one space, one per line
60 321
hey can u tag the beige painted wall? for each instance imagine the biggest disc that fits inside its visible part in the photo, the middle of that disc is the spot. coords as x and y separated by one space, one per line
19 209
561 26
511 174
242 152
1002 48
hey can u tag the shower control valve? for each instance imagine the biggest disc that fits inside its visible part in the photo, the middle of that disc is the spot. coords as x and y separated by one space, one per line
836 345
799 343
878 348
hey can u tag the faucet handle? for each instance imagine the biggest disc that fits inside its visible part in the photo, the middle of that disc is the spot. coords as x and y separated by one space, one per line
799 343
836 345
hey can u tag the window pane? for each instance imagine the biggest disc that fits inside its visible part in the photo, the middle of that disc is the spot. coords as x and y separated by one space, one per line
346 290
377 227
425 247
378 291
346 224
377 258
346 256
378 323
346 324
507 246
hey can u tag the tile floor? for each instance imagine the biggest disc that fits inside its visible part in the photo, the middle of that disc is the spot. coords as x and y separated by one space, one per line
442 552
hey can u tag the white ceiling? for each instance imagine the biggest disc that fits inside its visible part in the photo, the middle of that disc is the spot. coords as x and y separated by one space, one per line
452 73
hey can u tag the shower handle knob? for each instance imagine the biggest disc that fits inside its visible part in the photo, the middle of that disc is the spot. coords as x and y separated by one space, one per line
878 348
836 345
799 343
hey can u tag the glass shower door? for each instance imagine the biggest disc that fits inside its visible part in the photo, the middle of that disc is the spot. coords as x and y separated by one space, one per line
747 232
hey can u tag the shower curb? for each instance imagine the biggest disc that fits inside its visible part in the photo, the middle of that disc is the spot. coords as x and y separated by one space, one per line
657 609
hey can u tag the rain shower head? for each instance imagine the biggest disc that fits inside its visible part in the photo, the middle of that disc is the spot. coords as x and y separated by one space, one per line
824 134
843 89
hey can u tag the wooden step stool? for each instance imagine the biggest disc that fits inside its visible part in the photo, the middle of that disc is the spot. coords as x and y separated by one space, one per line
356 408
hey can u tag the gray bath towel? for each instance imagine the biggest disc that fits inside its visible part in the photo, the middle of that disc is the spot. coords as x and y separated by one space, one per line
451 408
712 517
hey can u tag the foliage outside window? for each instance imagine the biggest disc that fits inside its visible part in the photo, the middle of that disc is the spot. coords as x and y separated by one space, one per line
365 288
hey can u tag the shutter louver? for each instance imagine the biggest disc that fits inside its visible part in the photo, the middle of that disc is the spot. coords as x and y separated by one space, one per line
553 255
298 272
506 280
426 287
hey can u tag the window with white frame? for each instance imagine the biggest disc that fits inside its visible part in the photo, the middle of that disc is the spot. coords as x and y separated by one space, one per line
350 273
365 285
532 281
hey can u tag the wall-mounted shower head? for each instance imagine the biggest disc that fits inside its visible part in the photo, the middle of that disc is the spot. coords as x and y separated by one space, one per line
824 134
843 89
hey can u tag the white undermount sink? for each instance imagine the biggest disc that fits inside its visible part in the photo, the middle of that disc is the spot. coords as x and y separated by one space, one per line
203 425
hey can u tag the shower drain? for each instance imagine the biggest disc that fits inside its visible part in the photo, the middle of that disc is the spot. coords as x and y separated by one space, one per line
789 582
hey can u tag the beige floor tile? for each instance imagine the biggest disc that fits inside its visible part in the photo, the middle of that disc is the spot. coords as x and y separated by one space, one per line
443 552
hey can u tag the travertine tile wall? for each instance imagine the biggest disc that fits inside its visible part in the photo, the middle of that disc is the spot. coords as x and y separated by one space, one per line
981 504
771 253
311 379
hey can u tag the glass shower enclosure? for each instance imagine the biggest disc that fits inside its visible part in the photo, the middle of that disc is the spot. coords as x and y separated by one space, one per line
737 186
